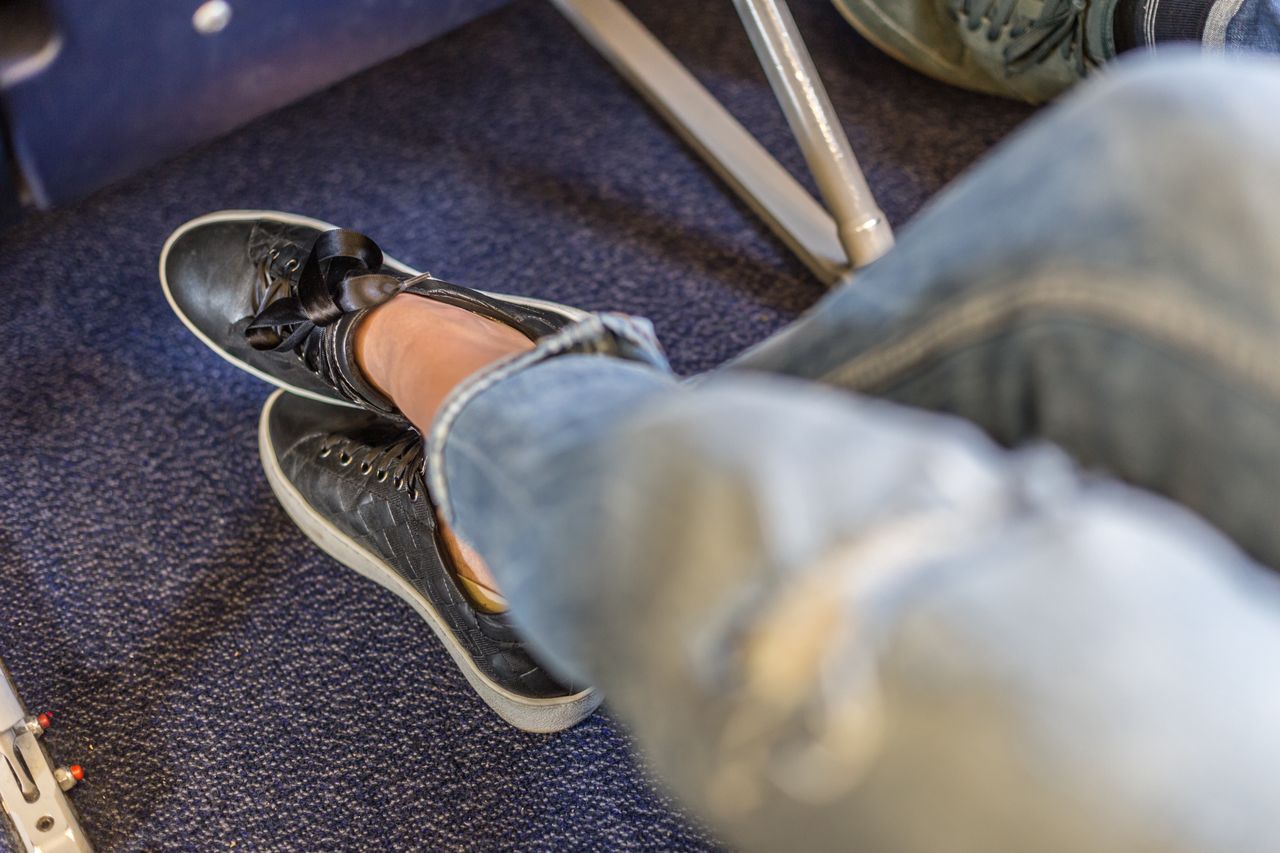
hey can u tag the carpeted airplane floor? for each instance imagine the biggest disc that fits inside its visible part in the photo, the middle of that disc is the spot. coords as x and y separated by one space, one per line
223 682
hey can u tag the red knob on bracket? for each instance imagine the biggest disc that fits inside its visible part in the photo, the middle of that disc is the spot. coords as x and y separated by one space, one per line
45 720
67 777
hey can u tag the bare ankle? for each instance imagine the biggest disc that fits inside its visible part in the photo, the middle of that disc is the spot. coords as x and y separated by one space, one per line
416 351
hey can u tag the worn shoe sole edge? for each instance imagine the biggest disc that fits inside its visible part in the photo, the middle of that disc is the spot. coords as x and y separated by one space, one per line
531 714
883 33
296 219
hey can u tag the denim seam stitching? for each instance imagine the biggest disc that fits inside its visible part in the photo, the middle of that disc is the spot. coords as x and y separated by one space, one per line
587 336
1174 324
1221 14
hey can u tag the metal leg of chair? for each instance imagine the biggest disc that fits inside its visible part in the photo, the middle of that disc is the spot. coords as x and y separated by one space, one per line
863 229
762 182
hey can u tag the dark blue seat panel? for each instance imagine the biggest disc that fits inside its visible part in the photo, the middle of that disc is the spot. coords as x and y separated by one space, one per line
132 82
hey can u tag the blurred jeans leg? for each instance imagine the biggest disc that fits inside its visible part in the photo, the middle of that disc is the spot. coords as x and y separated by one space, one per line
841 623
1254 26
1108 280
838 623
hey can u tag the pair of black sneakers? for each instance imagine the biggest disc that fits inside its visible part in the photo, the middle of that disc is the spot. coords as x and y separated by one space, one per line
279 296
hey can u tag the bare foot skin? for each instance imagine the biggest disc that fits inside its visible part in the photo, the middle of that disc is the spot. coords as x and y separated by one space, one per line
415 351
473 572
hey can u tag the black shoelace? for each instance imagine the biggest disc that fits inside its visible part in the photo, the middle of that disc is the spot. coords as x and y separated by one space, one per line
341 275
402 461
1060 26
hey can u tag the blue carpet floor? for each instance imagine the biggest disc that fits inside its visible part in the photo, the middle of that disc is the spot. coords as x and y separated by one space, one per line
223 682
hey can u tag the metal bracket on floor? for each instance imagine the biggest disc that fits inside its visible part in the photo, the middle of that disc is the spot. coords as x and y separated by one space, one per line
852 231
39 815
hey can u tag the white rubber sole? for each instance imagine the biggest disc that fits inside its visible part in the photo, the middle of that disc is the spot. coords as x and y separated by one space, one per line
295 219
527 713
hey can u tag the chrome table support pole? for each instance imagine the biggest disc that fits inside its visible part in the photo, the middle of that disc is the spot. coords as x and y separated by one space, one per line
823 243
743 163
864 231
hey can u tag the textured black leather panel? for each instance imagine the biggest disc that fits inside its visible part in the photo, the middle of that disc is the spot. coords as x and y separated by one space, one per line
212 270
215 272
533 323
399 529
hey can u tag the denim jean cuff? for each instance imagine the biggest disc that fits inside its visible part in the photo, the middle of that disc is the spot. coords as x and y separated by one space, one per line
607 334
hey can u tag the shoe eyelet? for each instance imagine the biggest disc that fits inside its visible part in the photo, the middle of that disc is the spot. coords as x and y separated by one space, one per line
275 253
292 265
345 459
365 468
324 452
413 494
381 476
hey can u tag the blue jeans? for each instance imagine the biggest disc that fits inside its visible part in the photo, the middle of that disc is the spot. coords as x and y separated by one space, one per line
1255 26
836 619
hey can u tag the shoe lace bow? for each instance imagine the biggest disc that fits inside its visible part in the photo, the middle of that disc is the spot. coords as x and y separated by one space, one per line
340 275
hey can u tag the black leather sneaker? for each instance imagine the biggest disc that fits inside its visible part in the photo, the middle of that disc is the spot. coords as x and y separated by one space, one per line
353 482
278 295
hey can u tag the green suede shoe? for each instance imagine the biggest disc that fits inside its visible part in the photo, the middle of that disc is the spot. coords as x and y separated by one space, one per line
1026 49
